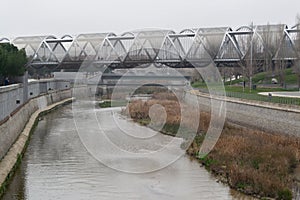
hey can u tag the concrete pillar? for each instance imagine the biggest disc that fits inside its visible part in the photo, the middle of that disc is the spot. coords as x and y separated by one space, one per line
25 87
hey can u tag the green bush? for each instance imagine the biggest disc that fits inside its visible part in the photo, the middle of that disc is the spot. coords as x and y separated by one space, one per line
285 194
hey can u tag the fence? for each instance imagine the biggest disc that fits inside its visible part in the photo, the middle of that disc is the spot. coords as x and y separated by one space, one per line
257 97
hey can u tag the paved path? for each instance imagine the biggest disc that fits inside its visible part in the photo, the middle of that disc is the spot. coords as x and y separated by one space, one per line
282 94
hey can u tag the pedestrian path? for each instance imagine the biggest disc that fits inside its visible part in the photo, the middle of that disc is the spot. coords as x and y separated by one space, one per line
295 94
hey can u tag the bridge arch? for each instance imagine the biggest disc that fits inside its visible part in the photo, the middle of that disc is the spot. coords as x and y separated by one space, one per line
207 43
33 45
5 40
184 31
50 37
66 36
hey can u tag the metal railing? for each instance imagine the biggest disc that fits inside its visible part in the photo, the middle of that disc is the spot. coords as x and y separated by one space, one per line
257 97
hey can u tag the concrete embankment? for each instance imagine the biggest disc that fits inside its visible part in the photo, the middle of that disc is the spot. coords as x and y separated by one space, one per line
265 116
10 160
15 122
15 128
14 96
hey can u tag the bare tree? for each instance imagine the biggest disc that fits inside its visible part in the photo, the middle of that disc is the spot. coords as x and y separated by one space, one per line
280 42
262 47
252 55
246 64
268 60
273 38
297 47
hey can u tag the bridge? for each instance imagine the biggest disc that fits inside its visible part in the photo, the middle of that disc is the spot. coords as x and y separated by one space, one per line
223 45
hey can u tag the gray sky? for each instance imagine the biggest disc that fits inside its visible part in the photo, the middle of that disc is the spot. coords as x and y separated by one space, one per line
59 17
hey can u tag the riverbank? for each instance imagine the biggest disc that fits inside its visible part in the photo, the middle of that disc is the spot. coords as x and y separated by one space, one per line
254 162
57 165
12 159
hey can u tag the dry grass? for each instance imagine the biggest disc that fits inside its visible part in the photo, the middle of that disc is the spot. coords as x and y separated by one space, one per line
255 161
177 113
251 161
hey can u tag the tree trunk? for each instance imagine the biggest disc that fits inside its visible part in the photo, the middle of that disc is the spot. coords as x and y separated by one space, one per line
299 81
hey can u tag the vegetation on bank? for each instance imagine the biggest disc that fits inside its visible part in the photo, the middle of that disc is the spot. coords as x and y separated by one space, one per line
251 161
254 162
12 61
109 103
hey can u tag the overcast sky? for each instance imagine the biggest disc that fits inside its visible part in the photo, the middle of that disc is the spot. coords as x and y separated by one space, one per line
59 17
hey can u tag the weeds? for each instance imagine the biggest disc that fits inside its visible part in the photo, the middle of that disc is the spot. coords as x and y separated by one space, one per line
252 161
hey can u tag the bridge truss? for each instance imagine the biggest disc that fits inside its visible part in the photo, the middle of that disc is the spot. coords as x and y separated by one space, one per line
223 45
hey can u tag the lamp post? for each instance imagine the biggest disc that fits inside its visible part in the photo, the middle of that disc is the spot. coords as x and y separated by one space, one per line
251 57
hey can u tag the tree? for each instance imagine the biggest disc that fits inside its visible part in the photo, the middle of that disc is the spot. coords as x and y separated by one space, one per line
3 60
12 60
297 47
268 57
249 63
279 53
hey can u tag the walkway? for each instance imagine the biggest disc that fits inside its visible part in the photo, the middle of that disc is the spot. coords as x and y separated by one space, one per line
282 94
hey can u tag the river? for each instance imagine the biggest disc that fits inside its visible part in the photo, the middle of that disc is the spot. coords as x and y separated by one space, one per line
58 165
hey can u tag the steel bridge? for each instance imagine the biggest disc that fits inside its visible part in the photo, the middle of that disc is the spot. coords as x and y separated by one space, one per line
223 45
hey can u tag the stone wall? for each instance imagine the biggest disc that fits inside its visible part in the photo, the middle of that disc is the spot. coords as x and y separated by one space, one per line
275 118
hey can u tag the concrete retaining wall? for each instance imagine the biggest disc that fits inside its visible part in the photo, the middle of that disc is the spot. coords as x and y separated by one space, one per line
12 127
12 96
9 95
262 115
10 160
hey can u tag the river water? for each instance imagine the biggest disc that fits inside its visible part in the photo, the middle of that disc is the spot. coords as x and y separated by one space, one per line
57 165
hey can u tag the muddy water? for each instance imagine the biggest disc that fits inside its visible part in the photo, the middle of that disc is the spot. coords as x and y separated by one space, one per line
58 166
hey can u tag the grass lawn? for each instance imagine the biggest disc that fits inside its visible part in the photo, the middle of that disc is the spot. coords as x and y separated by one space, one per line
235 88
109 103
259 78
266 78
238 91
